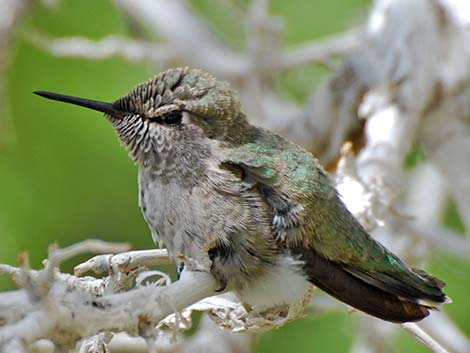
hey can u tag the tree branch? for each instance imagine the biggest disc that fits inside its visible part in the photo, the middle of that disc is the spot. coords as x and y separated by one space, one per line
65 309
321 51
130 49
70 313
423 337
124 262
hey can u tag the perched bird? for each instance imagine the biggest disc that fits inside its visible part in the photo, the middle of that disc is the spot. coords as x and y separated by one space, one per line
254 208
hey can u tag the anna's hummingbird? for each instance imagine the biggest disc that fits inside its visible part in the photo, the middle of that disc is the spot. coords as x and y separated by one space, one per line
254 208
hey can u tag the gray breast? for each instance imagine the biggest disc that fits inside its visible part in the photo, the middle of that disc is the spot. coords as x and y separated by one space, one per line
174 215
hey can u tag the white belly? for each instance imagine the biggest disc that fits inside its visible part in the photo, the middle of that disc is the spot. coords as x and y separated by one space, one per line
285 284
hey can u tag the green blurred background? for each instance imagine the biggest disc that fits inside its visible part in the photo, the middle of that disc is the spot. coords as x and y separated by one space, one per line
64 176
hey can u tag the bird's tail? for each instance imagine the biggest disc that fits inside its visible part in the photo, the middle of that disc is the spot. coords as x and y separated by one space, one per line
390 300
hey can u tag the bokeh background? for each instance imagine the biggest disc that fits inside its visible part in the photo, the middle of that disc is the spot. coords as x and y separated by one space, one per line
64 177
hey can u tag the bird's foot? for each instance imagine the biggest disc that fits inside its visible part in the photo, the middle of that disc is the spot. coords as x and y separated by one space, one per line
179 268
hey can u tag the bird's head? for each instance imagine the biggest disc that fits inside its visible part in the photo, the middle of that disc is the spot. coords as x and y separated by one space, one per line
181 108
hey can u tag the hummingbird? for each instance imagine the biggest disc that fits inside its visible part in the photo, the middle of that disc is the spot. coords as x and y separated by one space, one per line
256 210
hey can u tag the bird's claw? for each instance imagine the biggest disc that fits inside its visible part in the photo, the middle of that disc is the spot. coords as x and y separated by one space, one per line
179 269
223 286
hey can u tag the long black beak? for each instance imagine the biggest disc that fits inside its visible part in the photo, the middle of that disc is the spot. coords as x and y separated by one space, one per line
83 102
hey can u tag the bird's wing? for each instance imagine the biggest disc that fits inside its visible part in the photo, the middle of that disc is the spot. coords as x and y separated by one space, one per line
305 203
311 220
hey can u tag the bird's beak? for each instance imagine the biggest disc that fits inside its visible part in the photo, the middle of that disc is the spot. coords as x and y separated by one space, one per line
104 107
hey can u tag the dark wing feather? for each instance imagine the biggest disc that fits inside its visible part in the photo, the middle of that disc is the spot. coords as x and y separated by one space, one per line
400 287
341 284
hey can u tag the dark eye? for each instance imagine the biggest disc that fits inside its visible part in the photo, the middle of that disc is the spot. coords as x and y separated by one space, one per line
173 118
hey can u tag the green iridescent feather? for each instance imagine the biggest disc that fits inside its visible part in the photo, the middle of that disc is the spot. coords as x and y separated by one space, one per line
327 226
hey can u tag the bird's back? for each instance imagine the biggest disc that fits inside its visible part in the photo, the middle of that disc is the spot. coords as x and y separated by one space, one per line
311 221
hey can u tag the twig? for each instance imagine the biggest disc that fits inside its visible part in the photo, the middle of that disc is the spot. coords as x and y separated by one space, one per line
129 49
14 346
443 330
435 235
7 269
322 50
89 245
193 41
124 262
423 337
68 310
37 324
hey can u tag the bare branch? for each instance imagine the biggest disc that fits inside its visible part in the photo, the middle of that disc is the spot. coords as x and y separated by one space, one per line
129 49
443 330
194 40
14 346
89 245
423 337
65 309
436 235
62 318
124 262
322 50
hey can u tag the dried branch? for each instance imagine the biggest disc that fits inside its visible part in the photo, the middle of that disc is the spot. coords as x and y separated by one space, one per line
89 245
56 307
209 338
446 333
435 235
124 262
423 337
65 309
193 41
60 314
130 49
321 51
446 142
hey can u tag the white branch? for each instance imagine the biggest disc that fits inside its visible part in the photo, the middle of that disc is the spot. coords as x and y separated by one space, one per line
436 235
130 49
446 141
13 346
124 262
187 35
89 245
148 305
70 313
322 50
403 84
64 309
443 330
423 337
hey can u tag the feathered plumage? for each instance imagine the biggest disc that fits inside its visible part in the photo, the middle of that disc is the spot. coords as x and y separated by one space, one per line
250 205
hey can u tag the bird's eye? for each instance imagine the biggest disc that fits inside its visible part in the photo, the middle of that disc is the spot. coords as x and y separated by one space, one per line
173 118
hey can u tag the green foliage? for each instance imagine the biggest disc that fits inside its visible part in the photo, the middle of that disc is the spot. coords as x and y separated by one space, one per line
65 177
308 20
414 156
452 219
224 20
332 332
